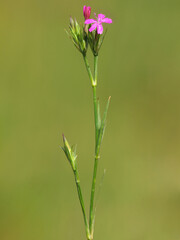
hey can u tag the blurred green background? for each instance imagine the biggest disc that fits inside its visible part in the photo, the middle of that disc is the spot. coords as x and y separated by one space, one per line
45 90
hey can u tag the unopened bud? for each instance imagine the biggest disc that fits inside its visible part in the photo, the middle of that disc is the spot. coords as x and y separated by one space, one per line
70 154
78 29
86 12
78 36
71 22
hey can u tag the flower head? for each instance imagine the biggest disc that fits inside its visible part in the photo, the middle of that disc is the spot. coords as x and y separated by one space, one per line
98 23
86 12
76 34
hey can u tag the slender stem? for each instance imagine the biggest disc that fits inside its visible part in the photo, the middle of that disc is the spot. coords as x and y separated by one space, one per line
88 70
91 215
91 210
95 99
95 68
97 145
95 114
77 180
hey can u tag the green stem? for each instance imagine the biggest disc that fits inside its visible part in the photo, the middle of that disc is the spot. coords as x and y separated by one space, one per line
95 68
95 114
91 215
97 144
88 70
91 210
77 180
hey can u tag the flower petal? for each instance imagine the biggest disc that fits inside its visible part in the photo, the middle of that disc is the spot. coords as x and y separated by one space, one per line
89 21
84 10
99 29
93 27
107 20
101 16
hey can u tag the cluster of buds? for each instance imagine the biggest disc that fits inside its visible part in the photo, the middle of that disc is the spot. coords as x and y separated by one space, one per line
77 36
91 33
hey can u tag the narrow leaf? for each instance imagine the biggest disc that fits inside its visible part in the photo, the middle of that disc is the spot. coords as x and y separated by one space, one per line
98 115
103 123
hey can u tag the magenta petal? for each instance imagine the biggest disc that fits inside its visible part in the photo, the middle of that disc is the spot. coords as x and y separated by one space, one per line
99 29
89 21
93 27
106 20
84 10
100 16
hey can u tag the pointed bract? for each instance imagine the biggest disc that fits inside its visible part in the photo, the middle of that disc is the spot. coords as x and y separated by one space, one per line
70 153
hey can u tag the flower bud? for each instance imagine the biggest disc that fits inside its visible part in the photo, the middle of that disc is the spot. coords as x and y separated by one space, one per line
70 154
77 27
86 12
71 22
77 35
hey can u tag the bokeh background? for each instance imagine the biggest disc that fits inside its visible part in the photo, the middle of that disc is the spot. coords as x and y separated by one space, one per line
45 91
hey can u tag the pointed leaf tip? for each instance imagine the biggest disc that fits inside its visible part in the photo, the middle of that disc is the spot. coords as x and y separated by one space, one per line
64 139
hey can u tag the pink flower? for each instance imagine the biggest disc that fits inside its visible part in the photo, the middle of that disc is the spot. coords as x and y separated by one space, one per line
98 23
86 12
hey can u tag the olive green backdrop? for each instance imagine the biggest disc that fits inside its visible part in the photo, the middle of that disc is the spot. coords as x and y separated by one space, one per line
45 91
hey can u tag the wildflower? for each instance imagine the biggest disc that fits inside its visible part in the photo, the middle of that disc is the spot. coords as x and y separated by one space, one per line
86 12
98 23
